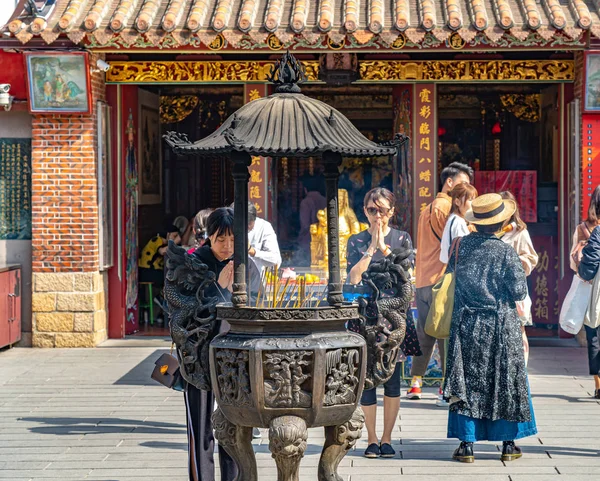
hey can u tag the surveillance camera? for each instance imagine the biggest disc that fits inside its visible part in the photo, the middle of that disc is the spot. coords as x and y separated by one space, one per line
4 88
5 98
102 65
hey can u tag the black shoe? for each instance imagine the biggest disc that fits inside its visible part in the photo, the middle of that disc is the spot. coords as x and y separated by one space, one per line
464 453
387 451
510 452
372 451
597 394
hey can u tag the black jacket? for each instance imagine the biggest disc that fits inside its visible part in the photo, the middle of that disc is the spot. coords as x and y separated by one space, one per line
206 255
591 257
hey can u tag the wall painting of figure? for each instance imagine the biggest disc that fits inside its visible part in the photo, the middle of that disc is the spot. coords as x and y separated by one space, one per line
59 82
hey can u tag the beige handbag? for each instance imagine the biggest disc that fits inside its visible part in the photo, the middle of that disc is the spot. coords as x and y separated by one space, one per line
439 317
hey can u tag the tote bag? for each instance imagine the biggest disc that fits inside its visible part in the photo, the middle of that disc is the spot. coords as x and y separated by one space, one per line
575 305
439 317
592 318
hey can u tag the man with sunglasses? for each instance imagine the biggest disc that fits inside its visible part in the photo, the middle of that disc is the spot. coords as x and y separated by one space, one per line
429 269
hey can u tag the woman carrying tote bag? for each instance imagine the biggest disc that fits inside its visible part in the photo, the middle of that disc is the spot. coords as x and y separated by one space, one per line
588 271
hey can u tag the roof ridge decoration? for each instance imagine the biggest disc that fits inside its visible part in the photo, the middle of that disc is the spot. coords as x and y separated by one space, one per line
504 14
351 15
556 14
479 14
70 14
197 16
534 19
402 19
146 16
96 15
326 15
299 15
287 74
454 15
427 12
122 15
222 15
376 16
273 15
581 13
172 15
247 15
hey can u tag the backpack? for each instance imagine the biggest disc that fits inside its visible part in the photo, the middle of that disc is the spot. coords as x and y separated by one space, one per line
583 236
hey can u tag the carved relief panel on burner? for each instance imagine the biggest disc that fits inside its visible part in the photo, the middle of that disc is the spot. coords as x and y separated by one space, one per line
288 379
342 376
233 377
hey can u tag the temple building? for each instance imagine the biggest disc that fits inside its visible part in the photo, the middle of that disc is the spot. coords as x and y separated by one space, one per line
510 87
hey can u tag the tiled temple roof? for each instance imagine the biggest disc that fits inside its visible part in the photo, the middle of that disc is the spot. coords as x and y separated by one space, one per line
181 19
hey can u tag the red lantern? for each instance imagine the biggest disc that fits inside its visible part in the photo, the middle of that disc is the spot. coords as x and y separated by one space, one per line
441 131
496 129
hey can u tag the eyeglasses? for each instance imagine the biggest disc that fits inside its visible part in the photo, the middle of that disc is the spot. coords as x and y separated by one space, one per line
374 210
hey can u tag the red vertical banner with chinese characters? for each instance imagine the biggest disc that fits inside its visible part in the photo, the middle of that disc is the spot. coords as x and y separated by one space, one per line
258 186
590 159
543 281
425 148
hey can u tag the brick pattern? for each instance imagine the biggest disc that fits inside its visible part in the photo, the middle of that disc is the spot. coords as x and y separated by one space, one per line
64 188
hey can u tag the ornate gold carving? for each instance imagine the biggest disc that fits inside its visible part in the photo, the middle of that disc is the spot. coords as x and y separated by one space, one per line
475 70
273 42
198 72
175 109
456 41
218 43
523 107
371 70
400 42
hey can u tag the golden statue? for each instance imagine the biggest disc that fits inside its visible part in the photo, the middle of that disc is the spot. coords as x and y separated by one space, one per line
348 225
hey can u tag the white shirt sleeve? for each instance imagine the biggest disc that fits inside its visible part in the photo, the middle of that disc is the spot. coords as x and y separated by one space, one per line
265 243
455 227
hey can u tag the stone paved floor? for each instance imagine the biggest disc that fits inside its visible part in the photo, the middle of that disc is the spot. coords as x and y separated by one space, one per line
94 414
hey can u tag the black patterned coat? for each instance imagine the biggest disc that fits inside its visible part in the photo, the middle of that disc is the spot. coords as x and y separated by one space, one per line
485 374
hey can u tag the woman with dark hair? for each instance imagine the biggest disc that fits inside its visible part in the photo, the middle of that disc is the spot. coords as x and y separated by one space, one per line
584 230
217 254
585 258
375 244
486 379
516 235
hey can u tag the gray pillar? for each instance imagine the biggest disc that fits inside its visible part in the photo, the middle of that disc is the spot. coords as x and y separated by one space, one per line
241 161
332 162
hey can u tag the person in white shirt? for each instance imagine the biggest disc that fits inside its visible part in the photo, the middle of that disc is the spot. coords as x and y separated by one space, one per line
263 247
517 235
462 195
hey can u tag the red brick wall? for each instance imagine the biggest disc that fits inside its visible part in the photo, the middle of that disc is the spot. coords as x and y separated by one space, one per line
64 189
578 94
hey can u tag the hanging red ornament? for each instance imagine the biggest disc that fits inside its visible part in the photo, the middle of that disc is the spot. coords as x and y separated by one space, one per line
441 131
496 129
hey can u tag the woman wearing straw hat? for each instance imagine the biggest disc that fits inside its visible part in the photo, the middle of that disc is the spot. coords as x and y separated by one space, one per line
486 380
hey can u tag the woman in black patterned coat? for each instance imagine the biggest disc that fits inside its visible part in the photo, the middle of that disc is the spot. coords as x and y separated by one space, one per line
486 379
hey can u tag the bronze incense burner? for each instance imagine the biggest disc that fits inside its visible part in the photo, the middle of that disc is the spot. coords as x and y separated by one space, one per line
286 369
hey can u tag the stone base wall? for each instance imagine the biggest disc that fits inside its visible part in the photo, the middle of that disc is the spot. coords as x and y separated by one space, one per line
68 309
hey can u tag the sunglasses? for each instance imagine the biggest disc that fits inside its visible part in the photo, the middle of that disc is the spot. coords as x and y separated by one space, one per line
374 210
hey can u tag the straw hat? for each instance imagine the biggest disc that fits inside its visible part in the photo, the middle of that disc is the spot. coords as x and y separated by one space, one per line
490 209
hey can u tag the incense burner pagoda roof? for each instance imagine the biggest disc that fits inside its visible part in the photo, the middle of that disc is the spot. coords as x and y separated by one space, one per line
140 23
286 123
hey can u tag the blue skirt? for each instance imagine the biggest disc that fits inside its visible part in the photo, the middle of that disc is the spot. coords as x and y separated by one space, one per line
471 430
